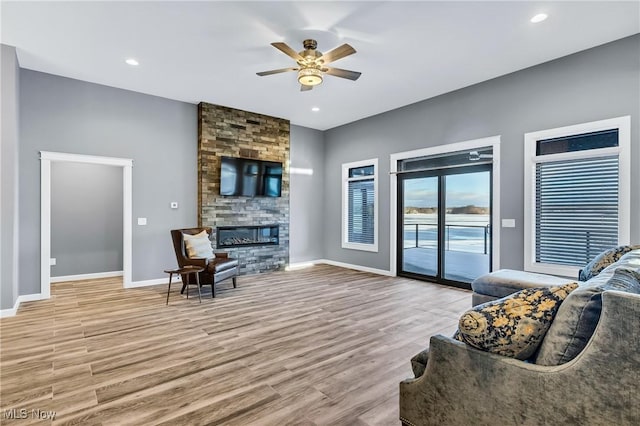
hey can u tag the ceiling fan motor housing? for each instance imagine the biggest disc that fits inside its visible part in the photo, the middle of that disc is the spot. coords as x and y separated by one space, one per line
310 54
310 44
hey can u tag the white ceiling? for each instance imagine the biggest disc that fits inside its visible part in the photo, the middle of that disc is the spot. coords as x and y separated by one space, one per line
211 51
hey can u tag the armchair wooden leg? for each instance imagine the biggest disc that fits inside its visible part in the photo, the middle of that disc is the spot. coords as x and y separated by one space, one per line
213 289
169 289
187 285
198 285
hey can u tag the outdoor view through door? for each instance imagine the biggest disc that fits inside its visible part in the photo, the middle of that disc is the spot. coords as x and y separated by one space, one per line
445 218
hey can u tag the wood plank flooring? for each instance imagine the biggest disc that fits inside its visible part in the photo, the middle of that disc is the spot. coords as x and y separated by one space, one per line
319 346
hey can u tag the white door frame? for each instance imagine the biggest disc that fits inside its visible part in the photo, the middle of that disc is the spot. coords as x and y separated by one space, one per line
492 141
46 158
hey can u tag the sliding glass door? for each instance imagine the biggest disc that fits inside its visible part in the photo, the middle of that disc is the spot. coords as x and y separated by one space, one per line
467 231
420 226
445 224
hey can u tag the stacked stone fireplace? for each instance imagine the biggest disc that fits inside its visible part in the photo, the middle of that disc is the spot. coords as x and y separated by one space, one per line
255 230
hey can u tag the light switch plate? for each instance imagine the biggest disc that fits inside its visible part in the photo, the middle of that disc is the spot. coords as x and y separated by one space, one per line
52 261
174 204
508 223
142 221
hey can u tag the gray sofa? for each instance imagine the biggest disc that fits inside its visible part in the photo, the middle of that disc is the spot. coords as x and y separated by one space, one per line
457 384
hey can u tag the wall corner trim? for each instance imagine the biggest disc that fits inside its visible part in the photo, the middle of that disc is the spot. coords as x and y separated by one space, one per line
10 312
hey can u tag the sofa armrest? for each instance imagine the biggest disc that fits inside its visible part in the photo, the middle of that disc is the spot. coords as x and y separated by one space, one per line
462 385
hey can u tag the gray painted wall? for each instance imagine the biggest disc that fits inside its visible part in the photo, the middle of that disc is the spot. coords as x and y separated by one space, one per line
600 83
86 218
64 115
306 228
10 93
160 135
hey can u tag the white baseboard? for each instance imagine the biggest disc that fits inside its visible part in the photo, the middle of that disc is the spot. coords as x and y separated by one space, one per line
10 312
356 267
157 281
301 265
81 277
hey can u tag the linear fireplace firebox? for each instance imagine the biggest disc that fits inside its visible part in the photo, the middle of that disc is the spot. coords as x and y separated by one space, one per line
235 236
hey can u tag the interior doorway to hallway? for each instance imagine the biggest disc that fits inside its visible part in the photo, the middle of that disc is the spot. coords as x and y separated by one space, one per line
86 221
46 158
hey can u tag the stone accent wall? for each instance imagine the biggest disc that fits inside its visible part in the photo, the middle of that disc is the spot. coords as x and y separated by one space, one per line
230 132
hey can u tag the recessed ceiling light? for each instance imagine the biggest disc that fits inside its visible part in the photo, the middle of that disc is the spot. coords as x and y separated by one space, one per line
539 18
132 62
315 109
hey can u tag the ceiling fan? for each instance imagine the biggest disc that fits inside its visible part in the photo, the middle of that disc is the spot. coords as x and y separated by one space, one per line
311 63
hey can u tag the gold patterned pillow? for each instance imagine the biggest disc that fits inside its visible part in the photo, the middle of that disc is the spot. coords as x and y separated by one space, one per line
514 325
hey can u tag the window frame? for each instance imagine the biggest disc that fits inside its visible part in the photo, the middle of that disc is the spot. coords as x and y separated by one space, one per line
346 244
623 151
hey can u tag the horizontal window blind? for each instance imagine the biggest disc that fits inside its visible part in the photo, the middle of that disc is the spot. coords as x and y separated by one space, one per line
361 197
576 209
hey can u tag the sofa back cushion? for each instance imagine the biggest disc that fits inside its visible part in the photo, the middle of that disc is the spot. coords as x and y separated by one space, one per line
578 315
514 325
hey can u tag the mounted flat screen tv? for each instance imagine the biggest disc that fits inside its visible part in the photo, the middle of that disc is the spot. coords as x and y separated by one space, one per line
246 177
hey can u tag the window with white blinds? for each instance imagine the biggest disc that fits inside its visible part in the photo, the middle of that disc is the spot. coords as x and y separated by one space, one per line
576 210
360 221
577 189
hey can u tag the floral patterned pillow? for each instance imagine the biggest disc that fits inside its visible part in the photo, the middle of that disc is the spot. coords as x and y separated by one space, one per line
514 325
603 260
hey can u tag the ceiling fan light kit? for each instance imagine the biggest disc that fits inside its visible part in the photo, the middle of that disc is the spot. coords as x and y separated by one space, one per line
310 76
311 63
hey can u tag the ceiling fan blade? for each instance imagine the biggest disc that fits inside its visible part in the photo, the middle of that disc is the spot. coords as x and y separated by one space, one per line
338 53
304 88
263 73
284 48
351 75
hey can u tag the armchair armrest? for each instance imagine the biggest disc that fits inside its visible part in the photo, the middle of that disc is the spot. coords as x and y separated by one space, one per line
222 255
462 385
197 261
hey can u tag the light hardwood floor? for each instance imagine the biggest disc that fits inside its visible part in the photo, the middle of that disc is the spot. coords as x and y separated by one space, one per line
323 345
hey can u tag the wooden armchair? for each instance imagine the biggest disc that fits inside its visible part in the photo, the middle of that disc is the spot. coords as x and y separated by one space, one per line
217 268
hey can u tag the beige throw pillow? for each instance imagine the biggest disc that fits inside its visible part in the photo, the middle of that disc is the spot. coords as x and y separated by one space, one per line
198 245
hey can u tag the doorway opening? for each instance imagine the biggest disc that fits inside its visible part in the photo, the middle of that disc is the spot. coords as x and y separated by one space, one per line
445 224
446 205
86 221
46 158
